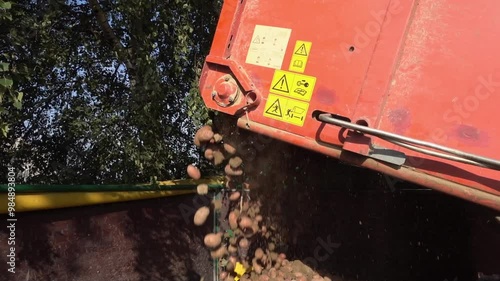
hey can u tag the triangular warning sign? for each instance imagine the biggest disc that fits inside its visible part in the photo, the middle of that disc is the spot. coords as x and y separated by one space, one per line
282 85
256 40
302 50
275 109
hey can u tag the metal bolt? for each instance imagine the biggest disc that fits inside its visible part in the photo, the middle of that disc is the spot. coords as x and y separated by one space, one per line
214 93
226 78
231 99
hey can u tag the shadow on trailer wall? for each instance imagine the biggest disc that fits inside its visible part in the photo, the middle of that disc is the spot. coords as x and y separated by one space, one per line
144 240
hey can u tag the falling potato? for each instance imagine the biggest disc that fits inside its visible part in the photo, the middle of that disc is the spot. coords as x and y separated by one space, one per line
202 189
219 253
232 172
218 157
233 219
259 253
203 135
235 162
229 148
213 240
209 153
234 196
193 172
245 222
201 215
217 138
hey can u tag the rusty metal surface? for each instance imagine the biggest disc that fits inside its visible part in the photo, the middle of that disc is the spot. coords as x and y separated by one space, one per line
413 68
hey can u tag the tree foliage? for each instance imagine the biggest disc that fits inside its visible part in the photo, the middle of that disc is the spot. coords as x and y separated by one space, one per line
110 89
9 98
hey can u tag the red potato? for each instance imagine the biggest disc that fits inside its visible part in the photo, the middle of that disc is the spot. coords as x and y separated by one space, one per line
229 148
232 172
278 263
209 153
244 243
233 260
233 241
203 135
255 227
201 215
264 229
264 278
282 256
235 162
193 172
317 277
202 189
245 222
217 138
213 240
256 266
287 268
223 275
298 274
272 273
219 253
273 256
218 157
230 267
232 249
234 196
233 219
243 246
259 253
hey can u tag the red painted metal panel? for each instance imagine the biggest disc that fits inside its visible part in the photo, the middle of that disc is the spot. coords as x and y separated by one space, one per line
423 69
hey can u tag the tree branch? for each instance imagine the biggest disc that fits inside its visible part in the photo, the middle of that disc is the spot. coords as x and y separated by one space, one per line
102 20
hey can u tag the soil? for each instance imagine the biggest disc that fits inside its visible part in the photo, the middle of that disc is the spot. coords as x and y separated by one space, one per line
344 222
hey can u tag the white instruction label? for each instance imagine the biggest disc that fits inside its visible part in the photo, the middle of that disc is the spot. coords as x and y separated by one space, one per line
268 46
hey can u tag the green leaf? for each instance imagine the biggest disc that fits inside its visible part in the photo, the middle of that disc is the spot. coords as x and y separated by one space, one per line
4 128
17 101
4 66
5 5
6 82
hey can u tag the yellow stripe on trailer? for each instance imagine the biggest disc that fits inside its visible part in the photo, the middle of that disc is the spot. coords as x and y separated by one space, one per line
55 200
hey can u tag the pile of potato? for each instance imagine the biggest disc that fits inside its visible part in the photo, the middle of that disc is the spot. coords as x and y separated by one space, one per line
247 240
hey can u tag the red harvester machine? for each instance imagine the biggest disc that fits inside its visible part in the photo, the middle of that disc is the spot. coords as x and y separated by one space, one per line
407 88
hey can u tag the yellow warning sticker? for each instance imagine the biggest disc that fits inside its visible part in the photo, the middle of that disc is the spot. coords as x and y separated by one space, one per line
293 85
286 110
300 56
